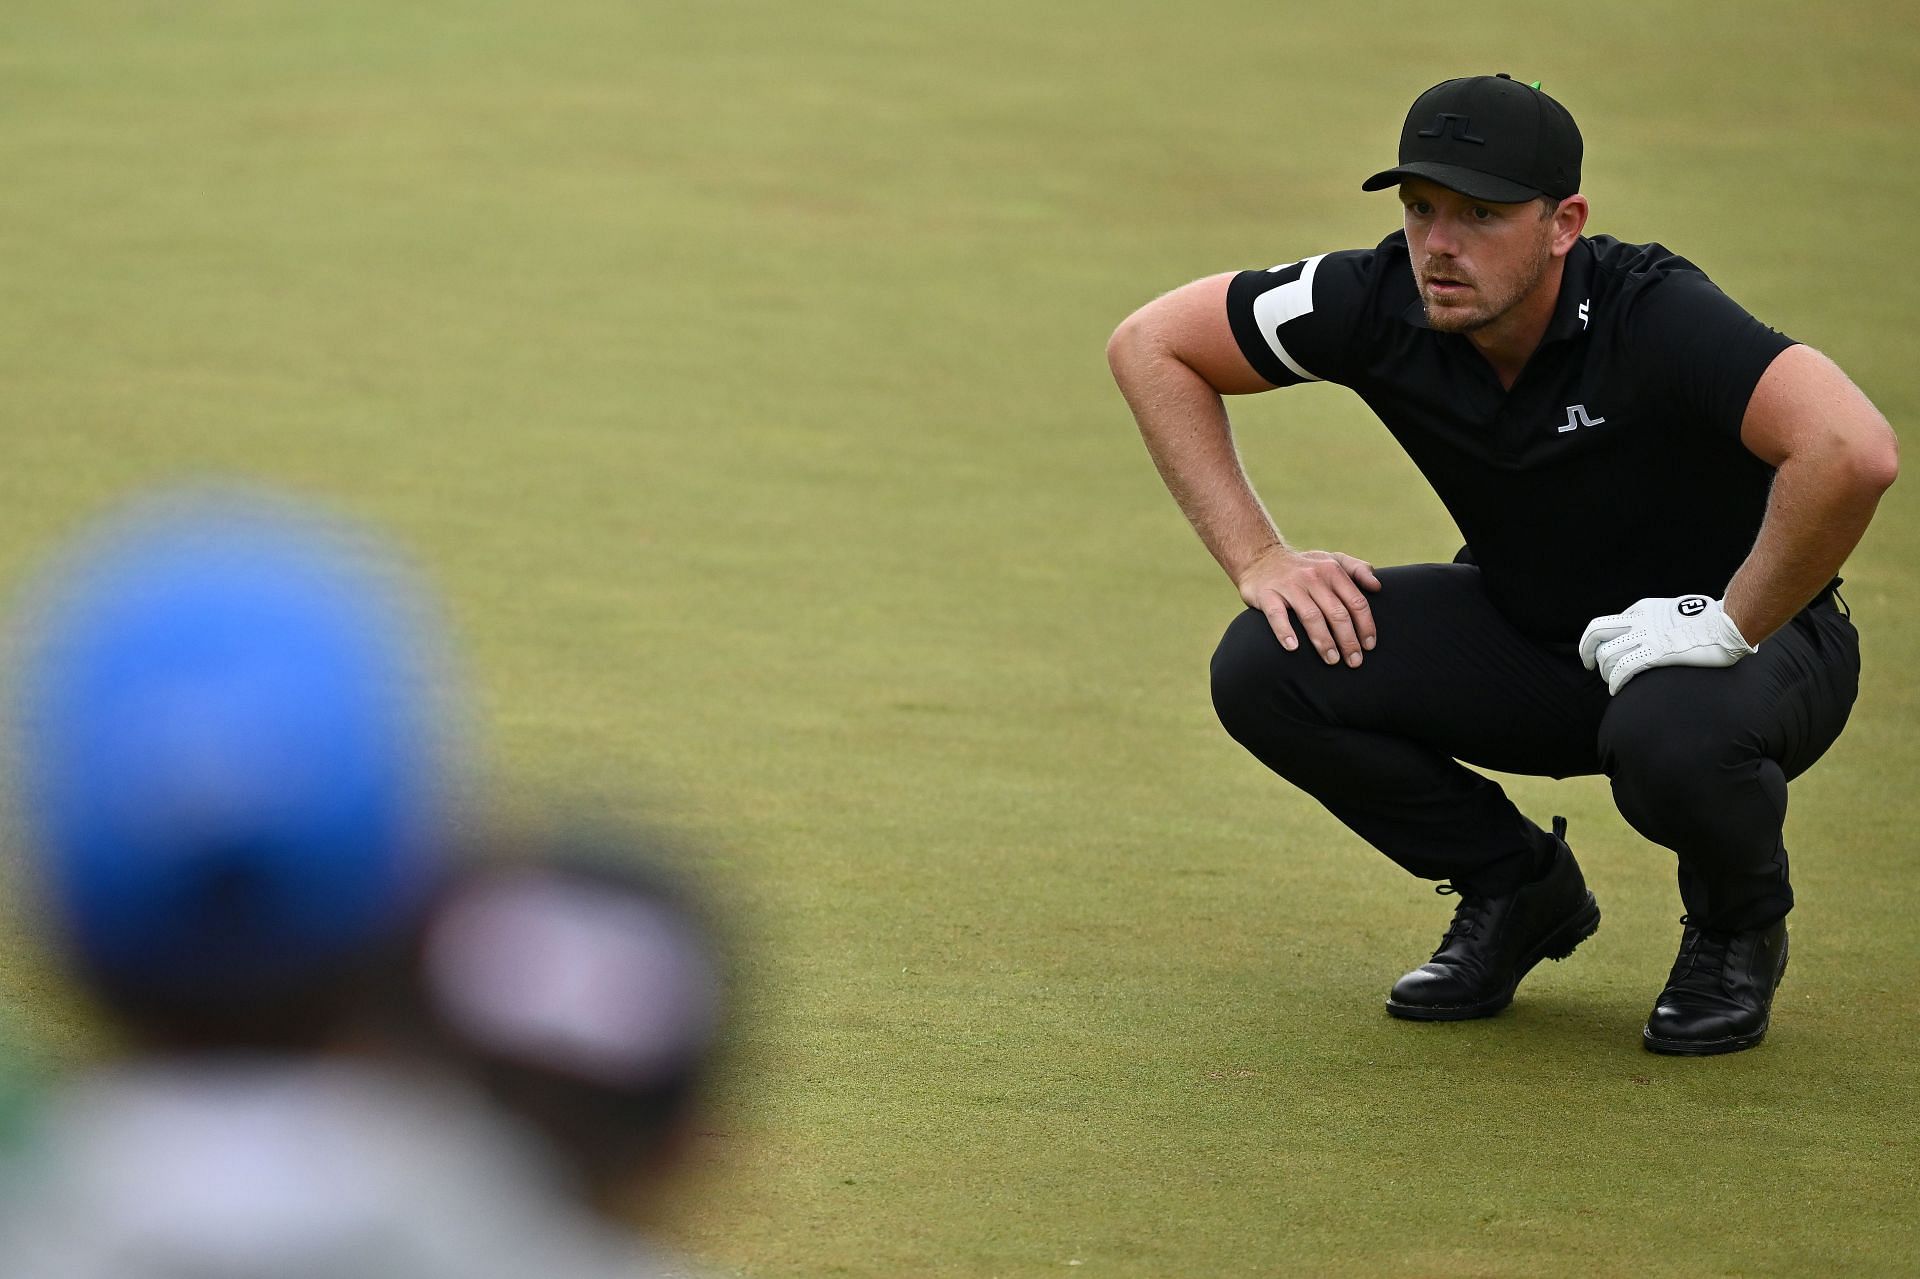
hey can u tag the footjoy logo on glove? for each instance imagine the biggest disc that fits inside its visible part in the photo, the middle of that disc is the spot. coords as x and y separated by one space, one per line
1693 605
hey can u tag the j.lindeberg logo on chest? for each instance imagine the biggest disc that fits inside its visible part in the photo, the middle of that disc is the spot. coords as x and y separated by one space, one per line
1577 418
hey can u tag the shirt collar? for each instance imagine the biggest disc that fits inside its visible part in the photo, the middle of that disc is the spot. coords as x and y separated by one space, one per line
1571 311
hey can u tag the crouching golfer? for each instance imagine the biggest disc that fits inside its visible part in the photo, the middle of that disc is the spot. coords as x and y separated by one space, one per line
1656 492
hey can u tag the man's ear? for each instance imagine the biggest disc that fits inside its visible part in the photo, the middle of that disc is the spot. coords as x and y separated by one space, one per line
1569 220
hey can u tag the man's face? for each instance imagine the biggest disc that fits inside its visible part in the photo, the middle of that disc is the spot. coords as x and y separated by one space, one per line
1473 260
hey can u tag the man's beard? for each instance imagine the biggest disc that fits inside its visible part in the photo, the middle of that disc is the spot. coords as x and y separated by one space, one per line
1454 319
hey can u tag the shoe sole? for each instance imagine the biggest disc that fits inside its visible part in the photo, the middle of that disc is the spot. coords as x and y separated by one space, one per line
1714 1047
1556 945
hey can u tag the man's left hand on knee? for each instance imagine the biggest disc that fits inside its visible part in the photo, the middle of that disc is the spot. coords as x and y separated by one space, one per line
1684 630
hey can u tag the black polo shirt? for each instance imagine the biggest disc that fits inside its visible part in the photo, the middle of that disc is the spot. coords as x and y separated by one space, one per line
1612 471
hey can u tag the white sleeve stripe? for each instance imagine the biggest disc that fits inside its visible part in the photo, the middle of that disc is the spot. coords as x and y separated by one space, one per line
1289 361
1279 306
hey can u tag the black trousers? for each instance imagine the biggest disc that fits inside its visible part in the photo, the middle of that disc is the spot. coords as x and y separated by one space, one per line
1699 759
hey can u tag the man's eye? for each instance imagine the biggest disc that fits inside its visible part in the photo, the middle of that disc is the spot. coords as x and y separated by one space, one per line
1419 208
1482 213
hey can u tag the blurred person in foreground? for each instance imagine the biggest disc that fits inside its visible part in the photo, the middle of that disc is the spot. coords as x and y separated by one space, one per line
1657 492
579 984
233 764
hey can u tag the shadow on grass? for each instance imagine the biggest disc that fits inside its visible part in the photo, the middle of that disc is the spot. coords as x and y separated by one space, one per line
1560 1033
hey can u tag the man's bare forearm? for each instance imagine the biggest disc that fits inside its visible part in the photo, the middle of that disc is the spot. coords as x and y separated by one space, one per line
1174 359
1183 421
1816 513
1833 455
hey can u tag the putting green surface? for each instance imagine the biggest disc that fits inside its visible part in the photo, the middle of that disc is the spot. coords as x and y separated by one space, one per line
735 371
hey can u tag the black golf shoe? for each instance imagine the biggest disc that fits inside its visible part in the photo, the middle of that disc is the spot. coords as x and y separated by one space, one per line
1719 996
1495 940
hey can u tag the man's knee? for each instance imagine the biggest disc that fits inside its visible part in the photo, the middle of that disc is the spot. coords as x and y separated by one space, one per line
1669 754
1250 672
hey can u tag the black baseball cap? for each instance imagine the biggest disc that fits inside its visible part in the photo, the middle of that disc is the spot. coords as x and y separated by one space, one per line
1488 137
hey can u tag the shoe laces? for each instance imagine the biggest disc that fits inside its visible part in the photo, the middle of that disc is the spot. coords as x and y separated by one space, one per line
1467 916
1703 954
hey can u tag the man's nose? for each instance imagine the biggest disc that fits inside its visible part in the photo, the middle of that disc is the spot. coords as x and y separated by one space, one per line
1440 241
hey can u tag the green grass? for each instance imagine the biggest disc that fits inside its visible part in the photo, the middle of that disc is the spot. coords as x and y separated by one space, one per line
735 369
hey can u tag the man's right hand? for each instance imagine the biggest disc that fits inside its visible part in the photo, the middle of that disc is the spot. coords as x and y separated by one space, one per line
1321 590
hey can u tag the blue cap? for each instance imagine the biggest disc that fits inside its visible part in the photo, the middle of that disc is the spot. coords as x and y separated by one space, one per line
228 750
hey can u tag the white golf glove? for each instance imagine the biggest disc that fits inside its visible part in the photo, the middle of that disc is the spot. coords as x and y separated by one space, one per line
1686 630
